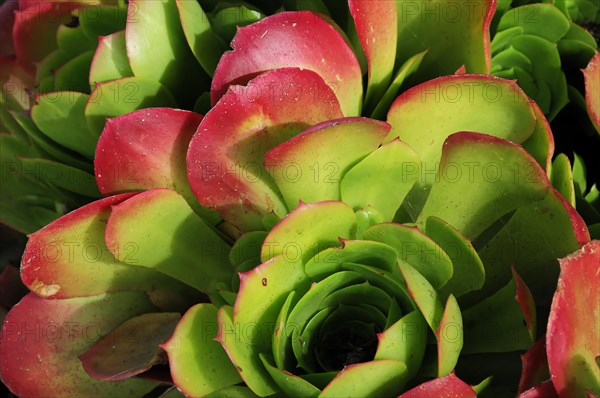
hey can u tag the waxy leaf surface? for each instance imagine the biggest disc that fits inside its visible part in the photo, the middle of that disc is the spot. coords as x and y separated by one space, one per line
300 39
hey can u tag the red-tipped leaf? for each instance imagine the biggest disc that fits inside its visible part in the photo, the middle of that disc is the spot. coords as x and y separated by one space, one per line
443 387
69 258
146 149
592 86
535 366
376 24
572 339
41 340
225 157
543 390
301 39
34 31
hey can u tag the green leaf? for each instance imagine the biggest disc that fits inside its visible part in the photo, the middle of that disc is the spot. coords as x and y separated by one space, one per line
172 392
390 172
319 168
292 385
480 179
580 11
579 175
54 150
415 248
320 379
122 96
263 291
26 218
561 177
110 60
328 261
26 188
308 230
244 352
206 45
234 392
540 143
69 258
199 364
535 236
424 296
19 209
449 335
366 218
405 341
60 116
481 387
422 116
468 271
511 57
282 349
73 41
408 68
247 247
547 73
438 27
49 64
305 339
73 75
62 176
226 21
577 47
503 38
363 293
385 377
170 238
391 283
104 20
497 324
543 20
310 5
158 51
312 301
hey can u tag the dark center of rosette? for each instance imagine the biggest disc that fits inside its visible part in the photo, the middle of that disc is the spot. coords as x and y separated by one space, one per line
73 23
347 344
355 295
342 315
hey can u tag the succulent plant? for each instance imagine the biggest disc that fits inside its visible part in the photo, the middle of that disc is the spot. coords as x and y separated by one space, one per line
74 65
284 245
545 46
